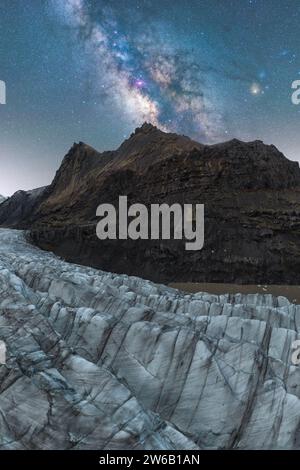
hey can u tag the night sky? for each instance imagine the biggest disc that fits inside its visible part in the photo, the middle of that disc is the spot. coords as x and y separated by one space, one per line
93 70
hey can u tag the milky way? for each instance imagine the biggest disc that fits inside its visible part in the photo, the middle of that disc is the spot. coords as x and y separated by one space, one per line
93 70
145 77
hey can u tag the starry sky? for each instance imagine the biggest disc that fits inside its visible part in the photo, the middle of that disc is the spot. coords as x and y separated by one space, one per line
93 70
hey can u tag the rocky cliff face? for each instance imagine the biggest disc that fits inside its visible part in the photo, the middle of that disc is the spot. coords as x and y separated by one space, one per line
16 210
250 190
2 199
86 176
98 360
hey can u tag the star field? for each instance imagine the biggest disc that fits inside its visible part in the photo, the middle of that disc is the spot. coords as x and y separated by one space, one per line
93 70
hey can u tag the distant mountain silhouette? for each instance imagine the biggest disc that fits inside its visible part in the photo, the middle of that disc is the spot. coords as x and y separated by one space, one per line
16 210
251 193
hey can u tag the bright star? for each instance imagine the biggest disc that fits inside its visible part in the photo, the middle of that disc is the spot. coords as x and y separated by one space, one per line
139 83
255 89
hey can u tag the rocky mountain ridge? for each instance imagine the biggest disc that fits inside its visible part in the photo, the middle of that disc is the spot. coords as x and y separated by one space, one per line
16 210
251 193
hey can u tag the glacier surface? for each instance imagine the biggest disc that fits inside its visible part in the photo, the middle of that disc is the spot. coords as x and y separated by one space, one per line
104 361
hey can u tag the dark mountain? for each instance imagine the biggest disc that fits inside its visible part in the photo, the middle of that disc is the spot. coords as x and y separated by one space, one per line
16 210
78 185
251 193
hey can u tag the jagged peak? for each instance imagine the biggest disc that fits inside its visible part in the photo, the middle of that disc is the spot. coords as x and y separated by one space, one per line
242 143
81 151
145 128
79 145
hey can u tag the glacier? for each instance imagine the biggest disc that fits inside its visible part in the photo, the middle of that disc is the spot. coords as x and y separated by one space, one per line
97 360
